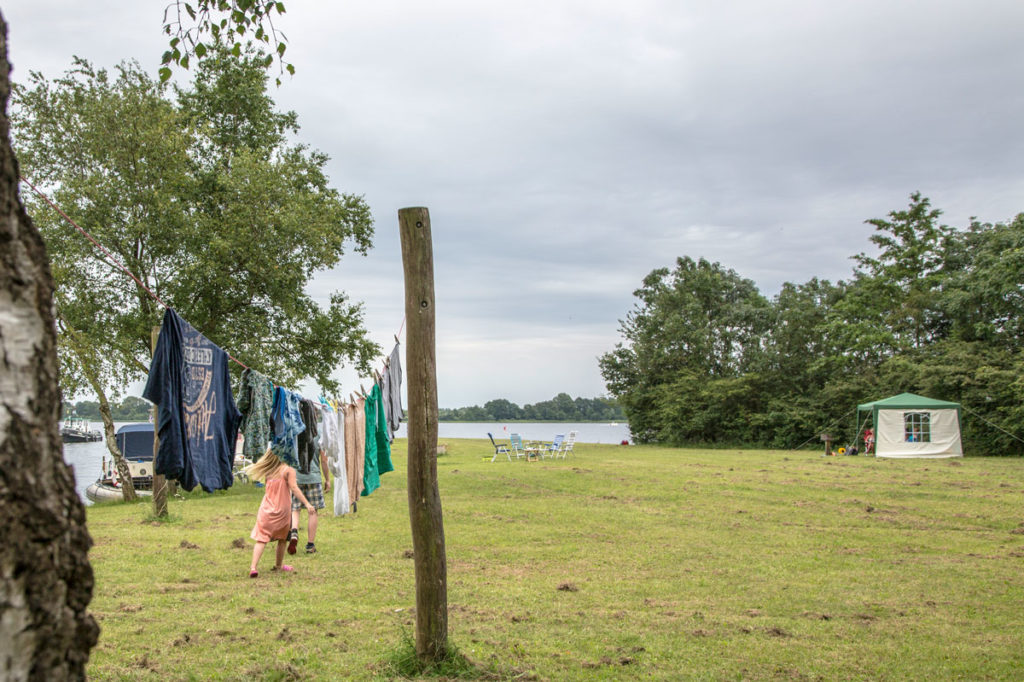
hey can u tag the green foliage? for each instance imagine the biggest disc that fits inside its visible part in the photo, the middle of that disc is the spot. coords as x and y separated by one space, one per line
130 409
205 200
203 26
562 408
706 359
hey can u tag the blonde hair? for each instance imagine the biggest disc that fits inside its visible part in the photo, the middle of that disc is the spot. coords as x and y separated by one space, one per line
268 464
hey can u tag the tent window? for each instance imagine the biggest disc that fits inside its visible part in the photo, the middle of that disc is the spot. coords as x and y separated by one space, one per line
917 427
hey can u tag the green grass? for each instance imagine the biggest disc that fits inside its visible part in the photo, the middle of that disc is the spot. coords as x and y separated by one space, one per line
620 563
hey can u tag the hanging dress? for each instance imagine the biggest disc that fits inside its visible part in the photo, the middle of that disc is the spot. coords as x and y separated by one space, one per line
354 448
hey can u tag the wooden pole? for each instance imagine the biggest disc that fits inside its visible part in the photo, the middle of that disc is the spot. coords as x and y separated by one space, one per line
424 497
159 481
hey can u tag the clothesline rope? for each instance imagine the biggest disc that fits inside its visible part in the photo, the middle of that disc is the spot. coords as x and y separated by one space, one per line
99 246
131 274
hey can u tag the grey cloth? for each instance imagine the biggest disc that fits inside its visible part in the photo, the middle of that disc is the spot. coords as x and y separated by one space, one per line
391 387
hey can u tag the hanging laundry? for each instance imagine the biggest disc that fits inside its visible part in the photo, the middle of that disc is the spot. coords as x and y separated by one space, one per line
355 447
378 442
197 418
255 401
333 443
286 424
392 389
309 441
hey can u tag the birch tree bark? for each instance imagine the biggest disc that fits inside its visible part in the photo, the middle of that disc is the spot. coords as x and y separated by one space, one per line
45 578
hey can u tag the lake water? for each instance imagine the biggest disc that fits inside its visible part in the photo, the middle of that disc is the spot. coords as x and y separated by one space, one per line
87 458
587 432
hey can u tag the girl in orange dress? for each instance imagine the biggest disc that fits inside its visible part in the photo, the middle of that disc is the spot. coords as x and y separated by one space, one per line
274 518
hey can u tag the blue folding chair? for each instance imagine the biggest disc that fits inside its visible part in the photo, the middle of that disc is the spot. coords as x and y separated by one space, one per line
499 449
553 448
517 446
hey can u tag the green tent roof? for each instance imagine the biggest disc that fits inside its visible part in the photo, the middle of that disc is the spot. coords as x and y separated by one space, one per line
907 401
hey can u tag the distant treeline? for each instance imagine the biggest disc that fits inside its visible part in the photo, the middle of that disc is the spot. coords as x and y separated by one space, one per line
131 409
561 408
707 359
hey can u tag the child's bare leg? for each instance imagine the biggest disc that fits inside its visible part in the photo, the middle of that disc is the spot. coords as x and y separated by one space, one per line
257 552
280 551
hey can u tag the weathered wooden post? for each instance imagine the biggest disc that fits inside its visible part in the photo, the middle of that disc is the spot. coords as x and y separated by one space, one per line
159 481
424 497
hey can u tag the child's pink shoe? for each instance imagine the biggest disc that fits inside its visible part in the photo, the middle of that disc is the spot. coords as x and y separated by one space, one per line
284 567
254 573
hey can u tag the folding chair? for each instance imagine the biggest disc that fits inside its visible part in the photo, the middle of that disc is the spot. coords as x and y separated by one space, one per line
551 449
517 445
567 446
499 449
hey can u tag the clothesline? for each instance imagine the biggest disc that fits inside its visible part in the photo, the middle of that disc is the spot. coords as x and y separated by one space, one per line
138 281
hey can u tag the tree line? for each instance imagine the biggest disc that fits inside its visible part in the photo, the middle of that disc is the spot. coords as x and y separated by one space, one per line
130 409
707 358
562 407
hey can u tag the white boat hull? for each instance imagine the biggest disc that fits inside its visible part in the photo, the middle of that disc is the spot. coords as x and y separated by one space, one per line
101 491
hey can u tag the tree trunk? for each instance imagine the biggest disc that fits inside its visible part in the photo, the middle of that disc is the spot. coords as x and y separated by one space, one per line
74 341
424 497
45 578
123 472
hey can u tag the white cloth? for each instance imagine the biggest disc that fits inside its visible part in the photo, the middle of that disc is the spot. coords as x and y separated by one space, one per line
332 440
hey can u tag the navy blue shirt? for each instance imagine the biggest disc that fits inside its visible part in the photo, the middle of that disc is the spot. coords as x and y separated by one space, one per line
198 420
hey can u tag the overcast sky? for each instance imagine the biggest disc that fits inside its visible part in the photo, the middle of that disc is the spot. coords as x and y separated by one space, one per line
566 148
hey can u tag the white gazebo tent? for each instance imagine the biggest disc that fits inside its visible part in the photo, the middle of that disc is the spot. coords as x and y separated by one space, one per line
909 425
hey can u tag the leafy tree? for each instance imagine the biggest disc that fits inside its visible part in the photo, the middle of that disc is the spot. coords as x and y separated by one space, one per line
196 28
501 409
894 305
206 202
697 323
132 409
983 295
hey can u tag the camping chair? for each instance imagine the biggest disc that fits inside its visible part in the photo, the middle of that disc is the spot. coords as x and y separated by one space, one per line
551 449
567 446
499 449
517 445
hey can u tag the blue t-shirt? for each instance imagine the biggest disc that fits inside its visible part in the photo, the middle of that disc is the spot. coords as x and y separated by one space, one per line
198 420
285 425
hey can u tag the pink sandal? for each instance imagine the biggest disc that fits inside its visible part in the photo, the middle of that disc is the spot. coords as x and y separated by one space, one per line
284 567
254 573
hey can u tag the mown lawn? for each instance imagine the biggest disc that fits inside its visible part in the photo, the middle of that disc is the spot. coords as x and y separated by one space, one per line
620 563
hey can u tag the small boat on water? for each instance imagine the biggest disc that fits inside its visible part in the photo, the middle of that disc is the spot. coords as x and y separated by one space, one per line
135 441
77 430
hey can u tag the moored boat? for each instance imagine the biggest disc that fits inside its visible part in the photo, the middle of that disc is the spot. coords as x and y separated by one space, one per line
77 430
135 441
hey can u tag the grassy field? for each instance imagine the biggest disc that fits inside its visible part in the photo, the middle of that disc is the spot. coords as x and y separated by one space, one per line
620 563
